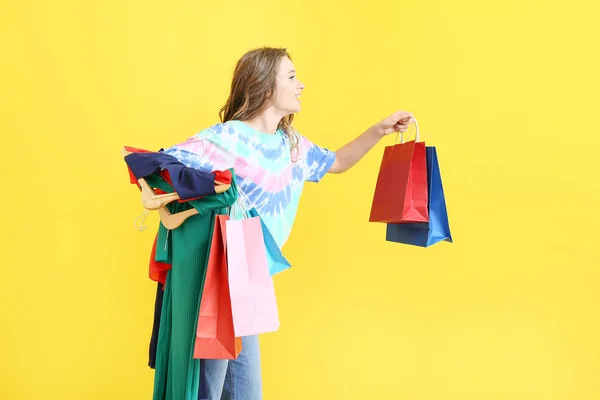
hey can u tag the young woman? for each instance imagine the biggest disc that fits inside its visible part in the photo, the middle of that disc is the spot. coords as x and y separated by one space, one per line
271 161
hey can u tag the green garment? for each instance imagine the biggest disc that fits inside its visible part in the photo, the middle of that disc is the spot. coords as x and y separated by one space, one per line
177 373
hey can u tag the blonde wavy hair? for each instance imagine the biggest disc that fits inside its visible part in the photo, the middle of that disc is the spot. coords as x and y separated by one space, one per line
253 86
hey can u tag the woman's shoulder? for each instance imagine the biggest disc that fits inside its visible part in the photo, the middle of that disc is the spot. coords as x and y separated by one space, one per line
222 133
216 129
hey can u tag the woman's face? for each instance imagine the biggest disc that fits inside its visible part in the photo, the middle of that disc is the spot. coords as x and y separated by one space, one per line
287 89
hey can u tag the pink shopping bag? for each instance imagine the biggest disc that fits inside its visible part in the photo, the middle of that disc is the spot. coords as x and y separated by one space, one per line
251 287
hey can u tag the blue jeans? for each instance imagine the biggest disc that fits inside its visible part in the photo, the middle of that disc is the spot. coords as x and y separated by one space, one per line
233 379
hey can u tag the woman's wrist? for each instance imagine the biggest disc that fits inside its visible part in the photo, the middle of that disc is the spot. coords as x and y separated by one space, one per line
376 131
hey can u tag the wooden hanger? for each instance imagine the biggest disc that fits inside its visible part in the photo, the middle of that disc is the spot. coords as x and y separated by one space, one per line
174 221
153 201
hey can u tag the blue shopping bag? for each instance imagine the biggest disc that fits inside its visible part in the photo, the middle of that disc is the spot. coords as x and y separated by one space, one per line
425 234
275 258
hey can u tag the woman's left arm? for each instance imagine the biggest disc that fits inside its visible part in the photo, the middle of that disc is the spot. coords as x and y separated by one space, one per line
347 156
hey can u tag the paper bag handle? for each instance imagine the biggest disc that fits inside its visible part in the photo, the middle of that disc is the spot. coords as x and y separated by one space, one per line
239 209
417 135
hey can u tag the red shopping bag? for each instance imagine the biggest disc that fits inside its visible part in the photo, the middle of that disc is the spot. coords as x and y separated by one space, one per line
401 191
215 337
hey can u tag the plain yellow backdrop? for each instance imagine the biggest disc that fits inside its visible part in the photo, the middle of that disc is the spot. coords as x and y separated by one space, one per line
507 91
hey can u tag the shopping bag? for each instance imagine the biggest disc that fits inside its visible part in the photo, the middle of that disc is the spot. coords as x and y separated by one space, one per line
215 336
253 301
401 190
425 234
275 259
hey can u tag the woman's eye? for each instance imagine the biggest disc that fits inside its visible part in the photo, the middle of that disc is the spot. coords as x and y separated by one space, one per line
293 77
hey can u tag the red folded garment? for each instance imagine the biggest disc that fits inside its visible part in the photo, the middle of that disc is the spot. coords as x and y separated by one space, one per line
158 270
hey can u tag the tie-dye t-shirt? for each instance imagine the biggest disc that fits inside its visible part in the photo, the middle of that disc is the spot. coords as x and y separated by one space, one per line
270 178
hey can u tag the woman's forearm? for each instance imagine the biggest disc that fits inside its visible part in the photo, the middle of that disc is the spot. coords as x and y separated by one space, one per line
348 155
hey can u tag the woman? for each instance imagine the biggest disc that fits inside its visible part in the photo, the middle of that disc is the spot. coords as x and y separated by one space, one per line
271 161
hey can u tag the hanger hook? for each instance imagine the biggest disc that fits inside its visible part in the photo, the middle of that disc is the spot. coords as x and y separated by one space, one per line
141 227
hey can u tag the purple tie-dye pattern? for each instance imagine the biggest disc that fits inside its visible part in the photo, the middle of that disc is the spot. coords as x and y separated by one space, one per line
267 176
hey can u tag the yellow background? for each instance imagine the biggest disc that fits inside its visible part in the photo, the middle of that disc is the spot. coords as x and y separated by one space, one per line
507 91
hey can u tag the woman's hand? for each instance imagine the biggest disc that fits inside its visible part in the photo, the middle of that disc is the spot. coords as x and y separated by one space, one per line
397 122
